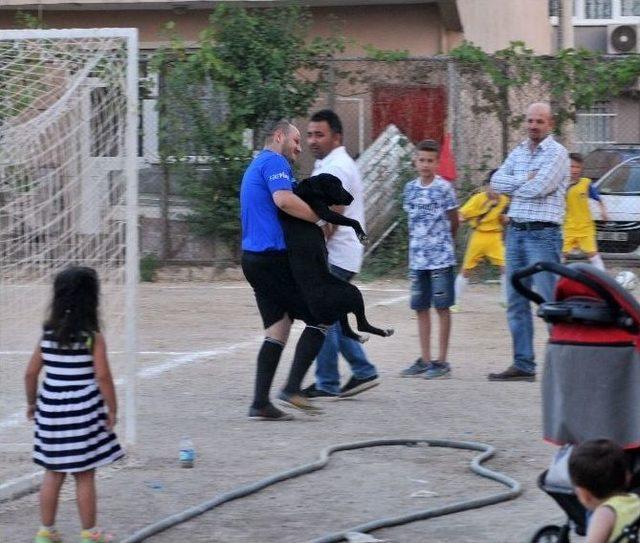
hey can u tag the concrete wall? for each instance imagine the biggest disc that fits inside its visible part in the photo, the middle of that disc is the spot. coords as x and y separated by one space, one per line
492 24
415 27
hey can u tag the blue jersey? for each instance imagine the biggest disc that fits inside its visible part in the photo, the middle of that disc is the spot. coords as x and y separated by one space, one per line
261 230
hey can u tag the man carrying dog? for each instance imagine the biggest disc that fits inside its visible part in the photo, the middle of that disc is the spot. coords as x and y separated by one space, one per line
324 137
266 187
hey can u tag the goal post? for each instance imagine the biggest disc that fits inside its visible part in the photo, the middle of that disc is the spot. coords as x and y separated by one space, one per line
69 186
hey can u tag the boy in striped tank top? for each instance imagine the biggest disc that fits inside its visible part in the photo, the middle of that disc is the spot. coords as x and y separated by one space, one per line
75 407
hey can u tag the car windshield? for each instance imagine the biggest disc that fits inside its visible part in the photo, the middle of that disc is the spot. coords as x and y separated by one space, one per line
623 180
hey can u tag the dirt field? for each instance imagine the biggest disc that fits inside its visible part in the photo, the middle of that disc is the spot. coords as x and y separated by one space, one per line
200 381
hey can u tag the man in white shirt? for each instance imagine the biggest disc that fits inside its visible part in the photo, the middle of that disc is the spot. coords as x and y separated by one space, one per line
324 137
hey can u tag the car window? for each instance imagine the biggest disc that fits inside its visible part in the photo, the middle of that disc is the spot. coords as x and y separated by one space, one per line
623 180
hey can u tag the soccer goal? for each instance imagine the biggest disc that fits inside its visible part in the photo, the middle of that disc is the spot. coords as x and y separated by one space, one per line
68 187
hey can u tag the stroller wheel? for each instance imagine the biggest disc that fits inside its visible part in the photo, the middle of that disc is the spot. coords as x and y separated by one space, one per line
550 534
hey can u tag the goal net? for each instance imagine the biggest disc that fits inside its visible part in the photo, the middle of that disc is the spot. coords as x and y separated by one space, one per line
68 187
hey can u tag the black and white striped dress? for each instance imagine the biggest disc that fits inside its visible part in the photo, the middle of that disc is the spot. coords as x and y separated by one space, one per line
71 433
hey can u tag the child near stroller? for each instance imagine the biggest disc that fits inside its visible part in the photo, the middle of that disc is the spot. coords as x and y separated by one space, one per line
590 381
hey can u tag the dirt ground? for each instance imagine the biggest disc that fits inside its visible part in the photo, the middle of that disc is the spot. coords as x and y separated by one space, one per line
197 379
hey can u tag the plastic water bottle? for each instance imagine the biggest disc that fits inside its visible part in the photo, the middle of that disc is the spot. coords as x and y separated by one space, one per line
187 452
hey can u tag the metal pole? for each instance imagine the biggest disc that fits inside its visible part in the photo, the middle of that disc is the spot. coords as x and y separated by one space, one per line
131 251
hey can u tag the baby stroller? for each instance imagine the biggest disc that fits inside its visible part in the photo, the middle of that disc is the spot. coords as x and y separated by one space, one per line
591 378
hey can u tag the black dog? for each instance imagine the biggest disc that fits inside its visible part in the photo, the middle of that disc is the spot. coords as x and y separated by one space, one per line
329 298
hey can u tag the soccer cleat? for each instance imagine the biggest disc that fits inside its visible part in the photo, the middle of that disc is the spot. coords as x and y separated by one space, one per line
46 535
296 401
269 412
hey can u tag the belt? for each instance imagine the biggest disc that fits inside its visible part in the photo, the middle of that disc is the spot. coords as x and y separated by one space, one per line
533 225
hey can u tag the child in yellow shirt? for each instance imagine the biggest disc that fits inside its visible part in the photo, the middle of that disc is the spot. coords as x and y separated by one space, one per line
599 472
579 230
485 213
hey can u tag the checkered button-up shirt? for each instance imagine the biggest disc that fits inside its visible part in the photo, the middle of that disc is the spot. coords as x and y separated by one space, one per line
541 198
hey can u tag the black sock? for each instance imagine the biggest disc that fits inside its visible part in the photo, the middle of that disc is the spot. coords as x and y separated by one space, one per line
268 359
307 349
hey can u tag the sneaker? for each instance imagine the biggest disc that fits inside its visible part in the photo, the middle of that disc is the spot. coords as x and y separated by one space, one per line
95 536
512 374
416 369
356 386
269 412
455 308
296 401
45 535
438 370
315 393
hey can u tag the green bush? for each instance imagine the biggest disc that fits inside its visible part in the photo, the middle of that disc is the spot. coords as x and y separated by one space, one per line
149 264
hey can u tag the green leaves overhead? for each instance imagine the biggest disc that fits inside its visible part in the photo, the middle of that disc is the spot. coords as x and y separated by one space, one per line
248 66
573 79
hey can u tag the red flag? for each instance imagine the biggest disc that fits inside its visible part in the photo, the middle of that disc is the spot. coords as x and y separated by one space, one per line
447 167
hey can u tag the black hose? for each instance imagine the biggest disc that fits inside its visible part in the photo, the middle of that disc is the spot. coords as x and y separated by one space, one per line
487 452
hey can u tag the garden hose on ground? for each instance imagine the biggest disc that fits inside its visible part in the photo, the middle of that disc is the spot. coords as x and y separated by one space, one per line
487 452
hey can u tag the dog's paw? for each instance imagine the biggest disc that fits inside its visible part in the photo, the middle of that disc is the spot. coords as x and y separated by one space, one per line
363 238
389 332
363 339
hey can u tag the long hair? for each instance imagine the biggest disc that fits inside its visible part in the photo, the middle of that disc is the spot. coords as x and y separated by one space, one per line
74 308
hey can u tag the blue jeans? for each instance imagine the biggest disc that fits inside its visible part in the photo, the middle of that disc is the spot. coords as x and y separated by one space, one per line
523 248
432 287
327 374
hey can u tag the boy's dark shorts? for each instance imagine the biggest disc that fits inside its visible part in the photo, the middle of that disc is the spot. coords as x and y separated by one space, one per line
274 287
432 287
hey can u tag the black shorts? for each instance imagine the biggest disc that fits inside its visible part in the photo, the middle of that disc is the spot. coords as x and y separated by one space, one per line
275 289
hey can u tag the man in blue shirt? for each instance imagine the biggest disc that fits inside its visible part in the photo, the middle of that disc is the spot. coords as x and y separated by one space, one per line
266 188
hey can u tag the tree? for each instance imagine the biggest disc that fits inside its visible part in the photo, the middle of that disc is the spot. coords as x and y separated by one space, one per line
573 79
249 66
493 76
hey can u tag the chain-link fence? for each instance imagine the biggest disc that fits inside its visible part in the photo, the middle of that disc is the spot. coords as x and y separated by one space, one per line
425 98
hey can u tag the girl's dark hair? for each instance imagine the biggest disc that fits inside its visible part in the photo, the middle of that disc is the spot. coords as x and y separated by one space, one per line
74 308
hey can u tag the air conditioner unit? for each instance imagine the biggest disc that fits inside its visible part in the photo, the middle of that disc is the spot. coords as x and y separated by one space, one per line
623 39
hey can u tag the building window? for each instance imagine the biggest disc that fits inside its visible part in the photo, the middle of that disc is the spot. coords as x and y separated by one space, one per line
630 8
597 9
594 127
554 8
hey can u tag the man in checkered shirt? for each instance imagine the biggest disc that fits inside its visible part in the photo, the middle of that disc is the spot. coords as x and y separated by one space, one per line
535 175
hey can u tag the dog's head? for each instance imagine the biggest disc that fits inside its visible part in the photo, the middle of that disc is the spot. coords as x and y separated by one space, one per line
324 187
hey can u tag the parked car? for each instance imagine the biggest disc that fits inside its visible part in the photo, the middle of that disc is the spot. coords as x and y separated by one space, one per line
620 192
601 160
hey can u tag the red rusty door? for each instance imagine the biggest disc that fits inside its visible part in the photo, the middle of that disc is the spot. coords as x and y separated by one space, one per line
418 111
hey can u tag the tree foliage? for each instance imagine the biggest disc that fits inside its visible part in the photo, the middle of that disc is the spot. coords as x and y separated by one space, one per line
249 66
573 79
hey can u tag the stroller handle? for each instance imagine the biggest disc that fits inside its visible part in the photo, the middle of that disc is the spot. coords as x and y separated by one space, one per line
564 271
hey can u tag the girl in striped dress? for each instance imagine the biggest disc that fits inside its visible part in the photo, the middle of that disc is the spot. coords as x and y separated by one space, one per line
75 408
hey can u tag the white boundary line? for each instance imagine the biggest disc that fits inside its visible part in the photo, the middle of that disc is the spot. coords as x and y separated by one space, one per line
25 484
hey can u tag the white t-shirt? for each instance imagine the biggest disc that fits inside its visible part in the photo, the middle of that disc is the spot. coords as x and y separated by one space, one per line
345 250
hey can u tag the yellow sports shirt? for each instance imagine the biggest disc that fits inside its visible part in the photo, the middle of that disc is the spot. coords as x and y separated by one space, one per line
626 508
578 219
483 213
